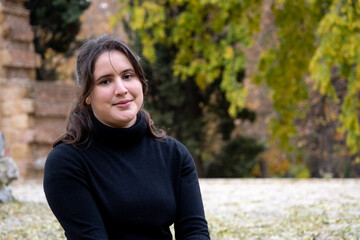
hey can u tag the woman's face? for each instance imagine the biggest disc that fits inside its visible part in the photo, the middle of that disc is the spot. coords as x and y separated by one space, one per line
117 95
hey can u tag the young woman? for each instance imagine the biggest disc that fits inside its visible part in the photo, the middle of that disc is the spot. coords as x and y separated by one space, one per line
113 174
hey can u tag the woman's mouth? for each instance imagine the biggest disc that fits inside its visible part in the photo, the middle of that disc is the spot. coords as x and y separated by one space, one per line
123 103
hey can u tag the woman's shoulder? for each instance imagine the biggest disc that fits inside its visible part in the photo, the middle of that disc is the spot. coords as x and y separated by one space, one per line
63 148
171 142
62 153
172 146
181 153
65 160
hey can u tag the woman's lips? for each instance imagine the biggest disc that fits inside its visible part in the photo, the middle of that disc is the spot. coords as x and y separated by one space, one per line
123 103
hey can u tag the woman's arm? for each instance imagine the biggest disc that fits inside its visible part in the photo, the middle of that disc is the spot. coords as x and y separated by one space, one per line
190 221
70 197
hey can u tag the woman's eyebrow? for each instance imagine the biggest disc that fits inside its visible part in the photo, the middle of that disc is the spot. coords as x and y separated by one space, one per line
104 76
127 70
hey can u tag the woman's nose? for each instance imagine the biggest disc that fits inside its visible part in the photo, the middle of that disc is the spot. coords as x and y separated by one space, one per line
120 88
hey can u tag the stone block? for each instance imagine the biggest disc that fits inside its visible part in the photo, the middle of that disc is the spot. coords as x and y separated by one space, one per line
40 150
13 135
11 107
6 123
8 171
5 57
19 26
21 121
20 151
53 99
60 89
11 73
52 108
5 30
27 105
19 59
6 195
13 91
47 130
27 136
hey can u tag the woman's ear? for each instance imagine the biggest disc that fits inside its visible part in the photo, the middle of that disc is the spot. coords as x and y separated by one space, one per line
88 101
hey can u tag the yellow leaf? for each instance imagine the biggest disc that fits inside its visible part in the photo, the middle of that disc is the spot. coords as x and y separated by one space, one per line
138 18
201 81
229 53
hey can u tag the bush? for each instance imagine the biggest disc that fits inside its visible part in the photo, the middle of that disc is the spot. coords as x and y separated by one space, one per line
237 159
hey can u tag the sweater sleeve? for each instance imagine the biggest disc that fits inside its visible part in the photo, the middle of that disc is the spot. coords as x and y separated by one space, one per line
70 197
190 222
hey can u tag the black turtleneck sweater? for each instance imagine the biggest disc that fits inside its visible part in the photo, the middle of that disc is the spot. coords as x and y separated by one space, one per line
125 186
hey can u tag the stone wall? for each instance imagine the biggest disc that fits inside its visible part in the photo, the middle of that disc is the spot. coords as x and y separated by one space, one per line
32 113
17 56
32 116
52 102
16 112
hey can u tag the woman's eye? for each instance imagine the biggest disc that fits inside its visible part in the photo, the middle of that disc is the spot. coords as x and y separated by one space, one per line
127 76
105 81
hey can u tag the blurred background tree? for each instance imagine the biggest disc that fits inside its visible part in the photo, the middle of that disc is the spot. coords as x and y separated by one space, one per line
317 53
55 25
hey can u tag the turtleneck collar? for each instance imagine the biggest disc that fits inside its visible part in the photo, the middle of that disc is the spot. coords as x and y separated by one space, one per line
119 137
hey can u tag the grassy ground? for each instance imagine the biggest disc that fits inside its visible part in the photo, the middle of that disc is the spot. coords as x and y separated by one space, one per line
235 209
27 220
283 209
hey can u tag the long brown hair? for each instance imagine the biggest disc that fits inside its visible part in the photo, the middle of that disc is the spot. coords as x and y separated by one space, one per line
79 128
